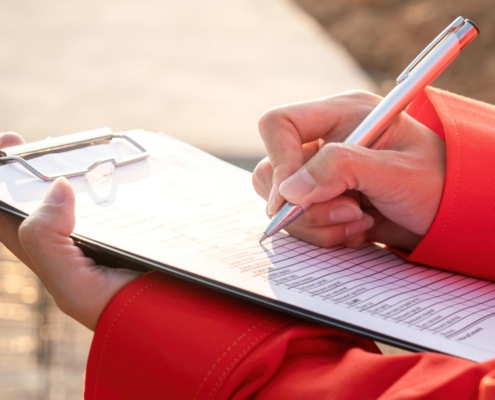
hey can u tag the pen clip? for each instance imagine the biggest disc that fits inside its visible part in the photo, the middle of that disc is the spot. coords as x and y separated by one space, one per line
454 26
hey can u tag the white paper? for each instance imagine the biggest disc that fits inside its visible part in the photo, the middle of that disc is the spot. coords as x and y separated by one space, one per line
184 208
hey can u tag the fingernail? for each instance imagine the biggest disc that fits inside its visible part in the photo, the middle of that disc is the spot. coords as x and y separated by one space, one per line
357 227
298 185
8 139
272 200
58 192
345 213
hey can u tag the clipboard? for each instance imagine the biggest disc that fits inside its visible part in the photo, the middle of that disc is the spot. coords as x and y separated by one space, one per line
107 253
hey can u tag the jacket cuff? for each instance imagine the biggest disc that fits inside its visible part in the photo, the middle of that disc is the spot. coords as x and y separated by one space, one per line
462 235
165 337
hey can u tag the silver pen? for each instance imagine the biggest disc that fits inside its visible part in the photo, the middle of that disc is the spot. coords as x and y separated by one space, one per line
420 73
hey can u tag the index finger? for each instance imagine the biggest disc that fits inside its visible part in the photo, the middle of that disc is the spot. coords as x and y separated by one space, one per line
286 129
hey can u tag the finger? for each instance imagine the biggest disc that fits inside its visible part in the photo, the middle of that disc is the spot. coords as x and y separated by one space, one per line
341 209
332 235
387 177
44 235
9 139
357 241
80 288
262 179
285 129
337 168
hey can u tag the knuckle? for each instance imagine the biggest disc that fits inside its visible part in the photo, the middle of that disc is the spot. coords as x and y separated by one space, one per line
363 97
29 235
271 118
340 162
336 154
360 103
29 231
32 231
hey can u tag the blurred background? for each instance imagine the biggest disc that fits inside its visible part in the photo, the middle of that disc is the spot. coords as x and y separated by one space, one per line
384 36
203 72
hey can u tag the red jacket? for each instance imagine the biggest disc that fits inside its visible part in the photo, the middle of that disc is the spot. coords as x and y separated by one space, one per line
162 337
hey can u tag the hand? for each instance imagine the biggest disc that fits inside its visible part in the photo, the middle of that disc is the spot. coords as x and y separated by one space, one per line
80 288
388 193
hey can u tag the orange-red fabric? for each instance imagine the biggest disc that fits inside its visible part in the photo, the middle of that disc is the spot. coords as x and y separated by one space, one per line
462 236
162 337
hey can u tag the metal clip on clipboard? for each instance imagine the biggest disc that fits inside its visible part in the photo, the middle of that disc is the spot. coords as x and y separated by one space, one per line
25 152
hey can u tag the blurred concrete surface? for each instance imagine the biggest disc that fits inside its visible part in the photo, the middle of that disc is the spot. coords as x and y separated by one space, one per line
201 71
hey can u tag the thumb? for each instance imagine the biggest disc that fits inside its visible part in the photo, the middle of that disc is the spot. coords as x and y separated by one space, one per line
80 288
45 234
339 167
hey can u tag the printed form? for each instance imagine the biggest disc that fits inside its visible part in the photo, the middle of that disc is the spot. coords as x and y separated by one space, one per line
184 208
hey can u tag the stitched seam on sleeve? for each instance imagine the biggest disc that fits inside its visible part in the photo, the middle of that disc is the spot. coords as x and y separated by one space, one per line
242 354
456 185
227 351
156 280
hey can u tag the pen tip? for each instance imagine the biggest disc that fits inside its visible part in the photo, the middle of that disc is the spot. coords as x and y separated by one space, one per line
263 238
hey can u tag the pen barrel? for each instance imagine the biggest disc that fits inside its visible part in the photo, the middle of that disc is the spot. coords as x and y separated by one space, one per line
397 100
288 213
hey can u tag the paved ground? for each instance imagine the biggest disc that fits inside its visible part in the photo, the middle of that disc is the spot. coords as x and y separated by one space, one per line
202 71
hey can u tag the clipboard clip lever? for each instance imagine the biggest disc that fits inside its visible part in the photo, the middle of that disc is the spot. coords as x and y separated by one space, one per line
24 152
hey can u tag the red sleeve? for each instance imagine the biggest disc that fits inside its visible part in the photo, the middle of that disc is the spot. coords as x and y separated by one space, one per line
162 337
462 236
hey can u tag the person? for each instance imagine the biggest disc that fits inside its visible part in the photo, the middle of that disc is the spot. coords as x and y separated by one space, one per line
424 189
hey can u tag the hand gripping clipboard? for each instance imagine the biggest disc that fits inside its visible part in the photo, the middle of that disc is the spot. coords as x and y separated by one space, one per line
23 153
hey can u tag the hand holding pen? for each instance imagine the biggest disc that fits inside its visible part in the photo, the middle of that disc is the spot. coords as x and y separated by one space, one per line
399 189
